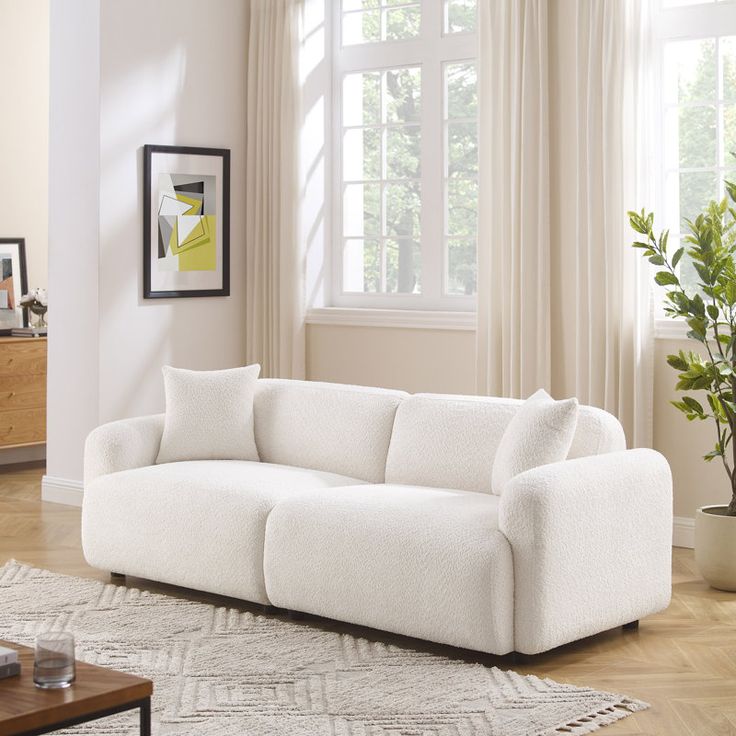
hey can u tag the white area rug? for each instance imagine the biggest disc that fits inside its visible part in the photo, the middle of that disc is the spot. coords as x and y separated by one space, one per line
223 672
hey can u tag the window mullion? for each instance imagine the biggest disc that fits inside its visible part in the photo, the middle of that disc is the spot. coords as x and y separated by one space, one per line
432 220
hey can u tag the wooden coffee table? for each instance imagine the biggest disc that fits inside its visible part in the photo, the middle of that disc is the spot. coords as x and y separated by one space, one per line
26 710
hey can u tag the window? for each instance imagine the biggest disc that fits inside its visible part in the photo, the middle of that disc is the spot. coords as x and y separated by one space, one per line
698 74
406 166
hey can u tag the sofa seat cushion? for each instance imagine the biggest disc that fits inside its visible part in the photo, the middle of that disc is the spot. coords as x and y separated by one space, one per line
198 524
424 562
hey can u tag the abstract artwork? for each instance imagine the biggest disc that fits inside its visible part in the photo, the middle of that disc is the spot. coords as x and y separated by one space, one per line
186 228
13 284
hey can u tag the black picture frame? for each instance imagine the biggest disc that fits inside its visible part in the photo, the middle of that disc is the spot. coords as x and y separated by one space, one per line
149 151
21 243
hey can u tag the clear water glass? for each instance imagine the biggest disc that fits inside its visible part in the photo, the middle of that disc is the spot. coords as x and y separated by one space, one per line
53 665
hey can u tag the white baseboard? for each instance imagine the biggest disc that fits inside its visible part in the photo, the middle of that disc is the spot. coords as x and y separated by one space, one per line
683 532
61 490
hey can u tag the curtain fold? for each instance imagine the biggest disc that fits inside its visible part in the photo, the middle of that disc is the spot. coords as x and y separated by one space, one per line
274 262
513 335
578 162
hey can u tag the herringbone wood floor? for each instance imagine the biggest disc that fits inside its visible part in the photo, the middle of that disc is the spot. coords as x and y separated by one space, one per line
682 661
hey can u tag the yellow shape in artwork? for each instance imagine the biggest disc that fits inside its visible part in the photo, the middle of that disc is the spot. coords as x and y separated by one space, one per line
200 253
196 204
174 237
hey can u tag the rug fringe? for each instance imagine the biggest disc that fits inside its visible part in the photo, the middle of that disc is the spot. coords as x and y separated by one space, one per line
604 717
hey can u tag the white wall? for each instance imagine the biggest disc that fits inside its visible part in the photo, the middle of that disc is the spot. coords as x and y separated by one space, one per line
73 227
123 75
168 76
414 360
24 130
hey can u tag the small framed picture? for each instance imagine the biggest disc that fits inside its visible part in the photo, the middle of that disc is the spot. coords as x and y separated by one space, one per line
186 222
13 284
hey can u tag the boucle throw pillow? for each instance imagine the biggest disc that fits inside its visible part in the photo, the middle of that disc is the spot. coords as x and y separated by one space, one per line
209 415
541 432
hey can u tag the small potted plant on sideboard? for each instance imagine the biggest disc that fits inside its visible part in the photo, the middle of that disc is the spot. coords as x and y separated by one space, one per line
709 309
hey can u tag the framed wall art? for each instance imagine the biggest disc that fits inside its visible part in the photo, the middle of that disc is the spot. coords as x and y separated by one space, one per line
186 222
13 284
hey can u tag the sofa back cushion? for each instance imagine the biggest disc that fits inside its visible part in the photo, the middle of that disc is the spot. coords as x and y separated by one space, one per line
451 441
325 426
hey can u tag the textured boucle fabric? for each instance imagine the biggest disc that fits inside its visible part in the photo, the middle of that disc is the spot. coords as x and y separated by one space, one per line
122 445
325 426
592 543
198 524
224 671
209 415
424 562
447 441
540 433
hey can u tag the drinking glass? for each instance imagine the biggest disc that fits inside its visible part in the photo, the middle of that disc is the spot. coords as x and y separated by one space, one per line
53 665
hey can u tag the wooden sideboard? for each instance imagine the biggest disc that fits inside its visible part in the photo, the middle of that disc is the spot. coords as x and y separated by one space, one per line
22 391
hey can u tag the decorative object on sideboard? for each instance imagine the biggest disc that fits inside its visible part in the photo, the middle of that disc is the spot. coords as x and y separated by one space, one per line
709 309
9 665
186 222
37 302
13 283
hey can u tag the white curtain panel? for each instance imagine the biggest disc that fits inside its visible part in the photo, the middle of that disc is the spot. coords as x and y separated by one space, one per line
513 336
275 264
571 309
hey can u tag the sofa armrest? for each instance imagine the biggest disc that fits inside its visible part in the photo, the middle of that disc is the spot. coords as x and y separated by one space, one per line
592 543
122 445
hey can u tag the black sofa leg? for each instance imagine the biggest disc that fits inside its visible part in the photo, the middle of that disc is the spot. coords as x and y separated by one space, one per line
631 625
519 658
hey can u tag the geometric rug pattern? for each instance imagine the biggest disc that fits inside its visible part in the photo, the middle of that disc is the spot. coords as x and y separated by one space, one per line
219 671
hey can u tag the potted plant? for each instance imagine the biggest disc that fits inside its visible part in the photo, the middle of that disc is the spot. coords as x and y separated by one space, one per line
709 310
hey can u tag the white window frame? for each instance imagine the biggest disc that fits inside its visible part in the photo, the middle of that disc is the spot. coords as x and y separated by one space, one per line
684 23
431 50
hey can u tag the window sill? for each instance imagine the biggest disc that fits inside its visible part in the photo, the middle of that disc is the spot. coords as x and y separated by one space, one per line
670 329
664 329
397 318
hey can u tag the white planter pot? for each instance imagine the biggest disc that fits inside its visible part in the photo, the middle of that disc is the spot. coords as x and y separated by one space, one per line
715 546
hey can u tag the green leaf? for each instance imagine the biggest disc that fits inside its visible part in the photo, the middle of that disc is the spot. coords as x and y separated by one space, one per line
693 404
713 311
678 362
677 256
656 260
731 293
665 278
701 383
704 273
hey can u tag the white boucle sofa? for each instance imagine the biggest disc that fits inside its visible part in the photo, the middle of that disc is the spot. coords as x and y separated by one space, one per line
375 507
